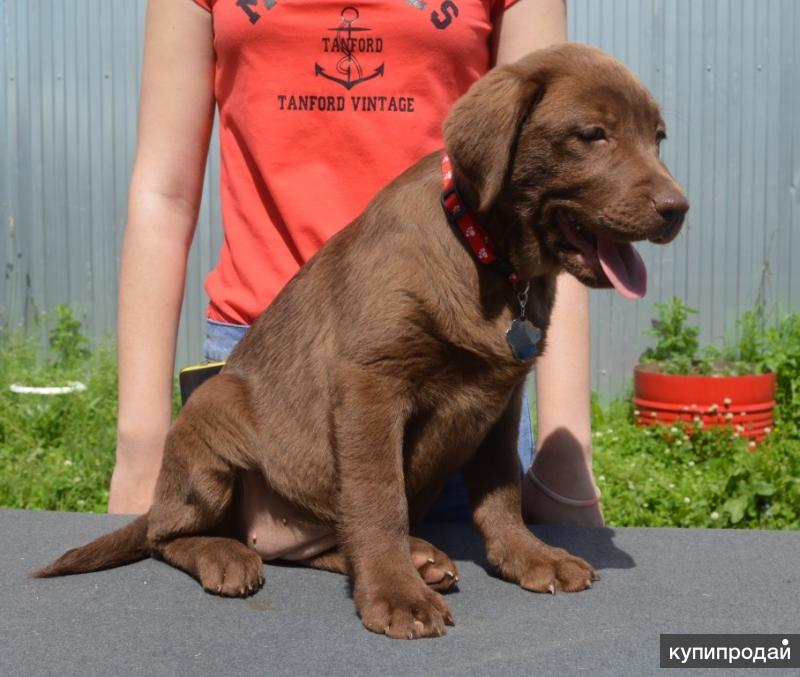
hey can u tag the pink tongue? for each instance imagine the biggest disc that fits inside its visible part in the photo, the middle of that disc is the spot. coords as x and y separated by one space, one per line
623 267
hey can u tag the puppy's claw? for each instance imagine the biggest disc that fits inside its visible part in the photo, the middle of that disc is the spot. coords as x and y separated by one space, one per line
552 589
450 574
588 583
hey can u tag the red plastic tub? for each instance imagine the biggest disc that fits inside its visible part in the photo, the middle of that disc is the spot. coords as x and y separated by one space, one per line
743 403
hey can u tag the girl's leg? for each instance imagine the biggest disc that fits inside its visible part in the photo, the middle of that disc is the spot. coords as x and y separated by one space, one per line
559 487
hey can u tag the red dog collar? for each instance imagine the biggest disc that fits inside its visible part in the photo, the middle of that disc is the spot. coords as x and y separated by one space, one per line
475 236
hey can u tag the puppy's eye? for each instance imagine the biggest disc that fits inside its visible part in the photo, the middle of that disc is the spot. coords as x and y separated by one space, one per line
593 134
660 136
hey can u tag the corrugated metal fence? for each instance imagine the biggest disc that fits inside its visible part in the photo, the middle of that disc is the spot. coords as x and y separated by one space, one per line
725 71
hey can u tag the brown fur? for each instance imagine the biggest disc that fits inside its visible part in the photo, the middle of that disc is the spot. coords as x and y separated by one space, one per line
383 366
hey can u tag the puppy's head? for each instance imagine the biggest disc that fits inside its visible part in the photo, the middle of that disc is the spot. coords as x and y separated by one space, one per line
567 141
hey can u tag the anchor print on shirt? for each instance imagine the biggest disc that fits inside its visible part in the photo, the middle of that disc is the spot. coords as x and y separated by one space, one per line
349 39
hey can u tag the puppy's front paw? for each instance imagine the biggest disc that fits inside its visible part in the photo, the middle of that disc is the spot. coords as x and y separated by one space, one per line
558 570
540 568
403 611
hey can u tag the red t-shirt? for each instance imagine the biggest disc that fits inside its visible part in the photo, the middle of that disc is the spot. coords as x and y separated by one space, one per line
321 104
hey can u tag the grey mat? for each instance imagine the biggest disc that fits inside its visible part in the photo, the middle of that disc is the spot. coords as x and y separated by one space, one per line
150 619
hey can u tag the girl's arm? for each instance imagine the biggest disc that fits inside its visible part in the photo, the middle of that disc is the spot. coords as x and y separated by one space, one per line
175 121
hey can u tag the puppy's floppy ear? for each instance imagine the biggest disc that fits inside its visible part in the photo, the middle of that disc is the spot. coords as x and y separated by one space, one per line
481 129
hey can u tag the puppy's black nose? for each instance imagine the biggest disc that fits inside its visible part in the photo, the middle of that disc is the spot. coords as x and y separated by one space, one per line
672 206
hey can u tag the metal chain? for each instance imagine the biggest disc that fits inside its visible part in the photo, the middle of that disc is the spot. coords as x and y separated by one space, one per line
522 298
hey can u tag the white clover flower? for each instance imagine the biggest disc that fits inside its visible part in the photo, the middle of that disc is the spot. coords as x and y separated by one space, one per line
686 499
714 515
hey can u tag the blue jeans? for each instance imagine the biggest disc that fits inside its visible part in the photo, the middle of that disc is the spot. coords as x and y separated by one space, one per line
453 504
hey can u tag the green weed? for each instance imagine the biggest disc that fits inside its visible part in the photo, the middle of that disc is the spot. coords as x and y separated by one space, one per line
678 351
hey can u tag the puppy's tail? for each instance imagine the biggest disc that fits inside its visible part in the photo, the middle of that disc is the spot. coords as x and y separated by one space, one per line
123 546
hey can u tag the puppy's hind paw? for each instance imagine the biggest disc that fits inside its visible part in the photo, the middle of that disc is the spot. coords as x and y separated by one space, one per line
433 565
231 574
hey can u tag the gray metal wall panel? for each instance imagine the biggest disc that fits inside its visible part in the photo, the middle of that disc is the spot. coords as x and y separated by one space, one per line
725 71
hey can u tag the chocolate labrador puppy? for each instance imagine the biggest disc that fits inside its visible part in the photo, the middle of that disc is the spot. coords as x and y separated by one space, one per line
398 354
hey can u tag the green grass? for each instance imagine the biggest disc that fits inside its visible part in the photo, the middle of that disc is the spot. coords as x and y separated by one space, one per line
660 476
57 452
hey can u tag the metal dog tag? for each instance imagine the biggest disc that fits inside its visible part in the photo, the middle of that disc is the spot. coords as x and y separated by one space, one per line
523 337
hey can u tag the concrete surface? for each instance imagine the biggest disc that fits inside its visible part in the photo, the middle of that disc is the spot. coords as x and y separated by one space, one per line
150 619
